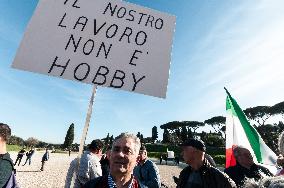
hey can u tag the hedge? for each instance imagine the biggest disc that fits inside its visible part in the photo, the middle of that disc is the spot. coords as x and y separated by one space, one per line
162 148
219 159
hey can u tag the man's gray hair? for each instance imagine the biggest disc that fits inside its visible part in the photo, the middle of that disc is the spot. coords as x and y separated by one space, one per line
237 150
131 136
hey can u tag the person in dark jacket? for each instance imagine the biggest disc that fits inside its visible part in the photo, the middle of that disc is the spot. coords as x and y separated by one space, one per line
123 155
146 171
29 156
199 173
20 156
45 158
105 161
245 167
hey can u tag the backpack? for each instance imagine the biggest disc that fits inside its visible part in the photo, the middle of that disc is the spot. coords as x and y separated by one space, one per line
11 183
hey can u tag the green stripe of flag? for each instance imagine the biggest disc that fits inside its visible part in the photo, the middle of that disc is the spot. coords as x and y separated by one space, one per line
251 133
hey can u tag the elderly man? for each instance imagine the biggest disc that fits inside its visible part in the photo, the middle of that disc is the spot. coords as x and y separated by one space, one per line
199 173
245 167
90 166
146 171
6 163
125 150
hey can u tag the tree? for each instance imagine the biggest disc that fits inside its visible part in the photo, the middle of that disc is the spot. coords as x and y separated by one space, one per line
31 141
193 125
184 134
111 140
141 138
138 135
107 139
278 109
217 123
166 136
69 138
148 140
154 134
14 140
213 139
270 133
259 114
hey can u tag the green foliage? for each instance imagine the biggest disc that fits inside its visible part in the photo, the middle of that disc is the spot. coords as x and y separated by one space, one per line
154 155
14 148
42 144
278 109
154 133
107 139
69 137
111 140
217 123
215 150
270 134
156 148
31 141
258 114
15 140
166 136
162 148
172 125
183 134
214 139
148 140
220 159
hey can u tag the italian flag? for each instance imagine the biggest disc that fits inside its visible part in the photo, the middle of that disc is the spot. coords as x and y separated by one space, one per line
240 132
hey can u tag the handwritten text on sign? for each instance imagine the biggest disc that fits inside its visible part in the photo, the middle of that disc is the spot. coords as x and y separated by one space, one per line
108 43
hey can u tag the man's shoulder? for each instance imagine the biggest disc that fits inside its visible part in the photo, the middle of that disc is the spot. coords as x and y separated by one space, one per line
99 181
265 170
6 166
222 178
186 170
218 172
231 169
6 158
149 162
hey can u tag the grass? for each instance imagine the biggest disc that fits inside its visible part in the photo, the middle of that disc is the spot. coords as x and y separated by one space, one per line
13 148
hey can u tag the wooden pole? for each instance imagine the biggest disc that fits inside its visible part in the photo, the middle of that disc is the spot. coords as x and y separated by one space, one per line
87 123
84 135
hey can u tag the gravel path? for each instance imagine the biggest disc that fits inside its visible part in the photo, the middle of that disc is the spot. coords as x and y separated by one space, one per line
57 166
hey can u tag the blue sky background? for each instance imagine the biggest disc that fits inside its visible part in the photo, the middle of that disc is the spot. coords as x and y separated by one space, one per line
236 44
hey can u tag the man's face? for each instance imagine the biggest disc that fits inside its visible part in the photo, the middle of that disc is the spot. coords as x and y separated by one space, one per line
123 157
142 155
188 153
245 158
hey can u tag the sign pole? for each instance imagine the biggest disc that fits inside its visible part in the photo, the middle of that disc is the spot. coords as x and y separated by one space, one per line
87 123
84 135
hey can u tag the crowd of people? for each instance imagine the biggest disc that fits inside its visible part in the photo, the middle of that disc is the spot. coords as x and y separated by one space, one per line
129 166
126 164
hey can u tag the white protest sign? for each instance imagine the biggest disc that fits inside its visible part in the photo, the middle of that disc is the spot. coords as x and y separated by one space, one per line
108 43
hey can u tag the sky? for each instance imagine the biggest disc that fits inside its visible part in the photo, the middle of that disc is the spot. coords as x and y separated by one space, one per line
234 44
